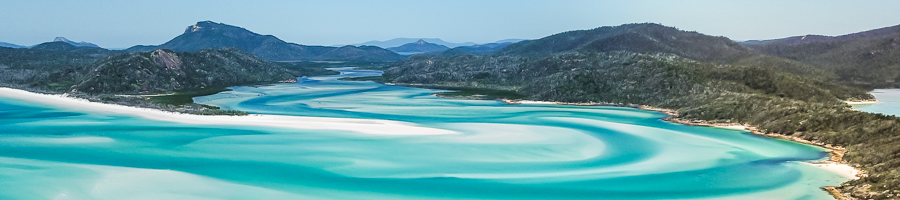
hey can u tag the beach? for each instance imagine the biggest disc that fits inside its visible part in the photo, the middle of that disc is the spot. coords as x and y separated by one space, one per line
861 102
364 126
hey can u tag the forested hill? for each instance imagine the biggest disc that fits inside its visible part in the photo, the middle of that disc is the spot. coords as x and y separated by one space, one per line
703 77
656 38
870 58
49 67
161 71
58 67
212 35
99 74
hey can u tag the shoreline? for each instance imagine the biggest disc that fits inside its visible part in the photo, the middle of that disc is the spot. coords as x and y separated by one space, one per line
834 163
862 102
363 126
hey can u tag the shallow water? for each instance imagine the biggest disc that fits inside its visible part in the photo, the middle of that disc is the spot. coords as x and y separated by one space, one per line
502 152
889 102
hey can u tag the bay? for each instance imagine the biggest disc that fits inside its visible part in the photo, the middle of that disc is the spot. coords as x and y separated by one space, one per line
499 151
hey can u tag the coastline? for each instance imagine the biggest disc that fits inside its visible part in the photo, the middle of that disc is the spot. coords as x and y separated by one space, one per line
862 102
834 163
364 126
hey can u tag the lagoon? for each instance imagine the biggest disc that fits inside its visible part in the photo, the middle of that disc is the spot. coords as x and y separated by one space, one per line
496 151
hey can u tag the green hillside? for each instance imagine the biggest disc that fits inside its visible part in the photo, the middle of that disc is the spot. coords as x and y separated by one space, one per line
162 71
869 59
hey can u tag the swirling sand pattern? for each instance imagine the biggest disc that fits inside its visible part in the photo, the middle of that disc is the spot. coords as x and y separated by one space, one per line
501 152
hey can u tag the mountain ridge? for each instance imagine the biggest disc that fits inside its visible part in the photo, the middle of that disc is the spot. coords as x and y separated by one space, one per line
77 44
420 46
212 35
11 45
869 58
396 42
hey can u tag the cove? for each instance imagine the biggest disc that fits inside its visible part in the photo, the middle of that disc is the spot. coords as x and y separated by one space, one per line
889 102
498 151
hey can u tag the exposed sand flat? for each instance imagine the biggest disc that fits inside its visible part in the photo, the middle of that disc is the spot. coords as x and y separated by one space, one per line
842 169
735 127
861 102
537 102
365 126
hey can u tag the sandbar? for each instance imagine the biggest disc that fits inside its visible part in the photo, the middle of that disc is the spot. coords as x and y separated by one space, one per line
364 126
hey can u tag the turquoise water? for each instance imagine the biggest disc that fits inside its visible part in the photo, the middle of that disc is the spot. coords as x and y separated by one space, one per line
502 152
889 102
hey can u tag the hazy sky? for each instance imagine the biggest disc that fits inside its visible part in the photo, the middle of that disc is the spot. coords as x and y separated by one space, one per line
120 23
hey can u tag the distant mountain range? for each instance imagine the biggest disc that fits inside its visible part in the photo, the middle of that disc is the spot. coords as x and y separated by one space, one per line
10 45
212 35
423 47
419 46
57 39
396 42
77 44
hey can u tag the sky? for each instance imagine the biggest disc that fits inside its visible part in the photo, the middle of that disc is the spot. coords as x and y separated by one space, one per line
121 24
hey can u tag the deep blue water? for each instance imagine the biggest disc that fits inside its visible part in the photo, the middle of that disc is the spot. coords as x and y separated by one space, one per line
502 152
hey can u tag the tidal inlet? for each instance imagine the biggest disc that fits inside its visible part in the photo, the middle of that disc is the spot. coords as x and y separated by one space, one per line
467 149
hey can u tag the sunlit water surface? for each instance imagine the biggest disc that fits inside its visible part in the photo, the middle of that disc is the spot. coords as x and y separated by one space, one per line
501 152
889 102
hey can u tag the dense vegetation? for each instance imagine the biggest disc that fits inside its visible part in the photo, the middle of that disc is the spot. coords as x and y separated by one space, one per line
48 67
703 77
211 35
135 79
163 70
869 59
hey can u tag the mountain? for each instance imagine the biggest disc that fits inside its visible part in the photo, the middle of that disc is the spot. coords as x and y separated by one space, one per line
643 38
656 38
704 78
527 62
10 45
161 71
102 75
77 44
211 35
48 67
396 42
57 67
870 58
419 46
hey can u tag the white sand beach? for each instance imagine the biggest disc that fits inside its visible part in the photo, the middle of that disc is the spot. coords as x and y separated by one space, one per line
734 127
844 170
365 126
861 102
